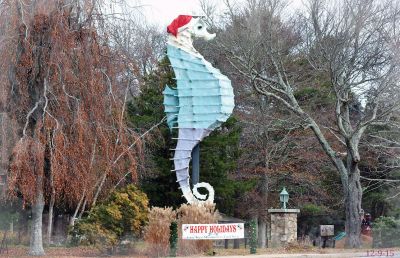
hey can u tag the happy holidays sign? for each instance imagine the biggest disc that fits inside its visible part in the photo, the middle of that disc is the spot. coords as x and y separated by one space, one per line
213 231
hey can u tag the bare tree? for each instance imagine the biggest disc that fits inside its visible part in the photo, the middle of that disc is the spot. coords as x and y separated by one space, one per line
63 91
352 43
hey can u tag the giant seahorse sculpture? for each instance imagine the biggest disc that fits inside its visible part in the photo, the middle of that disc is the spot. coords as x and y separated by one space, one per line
201 102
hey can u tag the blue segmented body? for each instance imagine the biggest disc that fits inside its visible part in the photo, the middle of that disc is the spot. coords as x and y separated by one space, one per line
203 97
202 101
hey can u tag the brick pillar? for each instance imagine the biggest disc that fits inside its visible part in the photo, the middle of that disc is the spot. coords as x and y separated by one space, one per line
283 226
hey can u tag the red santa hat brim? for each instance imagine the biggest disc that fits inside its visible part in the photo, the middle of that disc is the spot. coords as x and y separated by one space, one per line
179 22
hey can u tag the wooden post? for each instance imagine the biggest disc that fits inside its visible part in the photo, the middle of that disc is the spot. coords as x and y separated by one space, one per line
236 243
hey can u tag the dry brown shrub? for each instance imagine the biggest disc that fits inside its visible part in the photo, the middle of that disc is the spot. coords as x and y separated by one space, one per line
61 89
299 246
195 214
157 231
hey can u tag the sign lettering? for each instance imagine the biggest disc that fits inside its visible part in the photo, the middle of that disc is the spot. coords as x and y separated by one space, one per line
213 231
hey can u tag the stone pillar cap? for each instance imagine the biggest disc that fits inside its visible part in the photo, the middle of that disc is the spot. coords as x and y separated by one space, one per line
284 210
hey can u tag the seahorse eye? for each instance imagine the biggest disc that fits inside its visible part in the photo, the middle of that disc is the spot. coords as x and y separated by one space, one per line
199 27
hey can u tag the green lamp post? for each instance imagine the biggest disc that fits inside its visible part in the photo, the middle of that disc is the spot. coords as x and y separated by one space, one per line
284 197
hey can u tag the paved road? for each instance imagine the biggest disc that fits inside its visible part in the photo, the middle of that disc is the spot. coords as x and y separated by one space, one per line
394 254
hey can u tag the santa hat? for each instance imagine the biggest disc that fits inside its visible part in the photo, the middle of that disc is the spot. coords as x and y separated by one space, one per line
179 22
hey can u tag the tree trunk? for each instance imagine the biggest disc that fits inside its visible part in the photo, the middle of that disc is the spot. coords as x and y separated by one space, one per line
350 177
262 233
255 218
12 228
72 220
36 245
353 208
83 209
101 183
50 222
52 196
262 224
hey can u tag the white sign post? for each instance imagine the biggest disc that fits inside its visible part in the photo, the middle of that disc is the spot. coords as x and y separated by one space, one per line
327 230
213 231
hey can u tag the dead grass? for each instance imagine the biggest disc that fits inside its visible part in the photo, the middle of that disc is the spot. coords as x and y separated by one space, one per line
80 252
157 232
365 240
22 252
195 214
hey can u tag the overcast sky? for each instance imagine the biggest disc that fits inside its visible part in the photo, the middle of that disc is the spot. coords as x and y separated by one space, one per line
162 12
